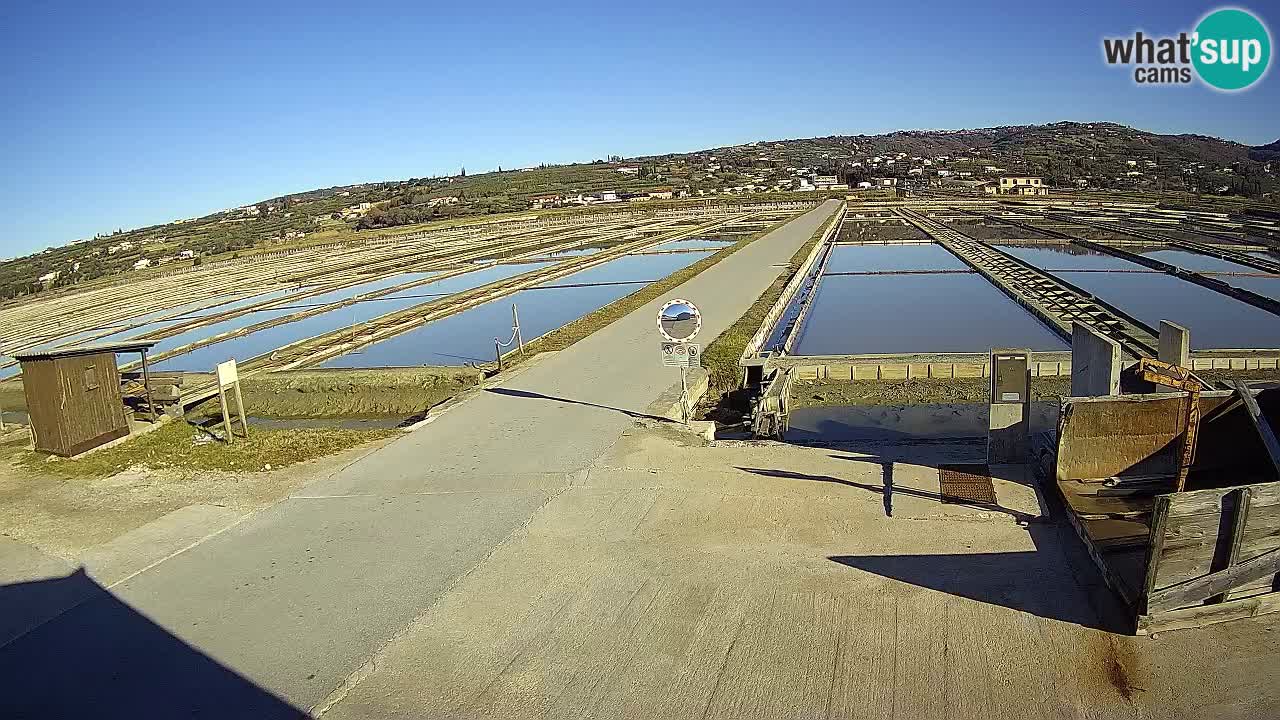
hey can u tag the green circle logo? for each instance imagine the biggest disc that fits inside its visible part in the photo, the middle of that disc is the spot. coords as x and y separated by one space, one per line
1232 49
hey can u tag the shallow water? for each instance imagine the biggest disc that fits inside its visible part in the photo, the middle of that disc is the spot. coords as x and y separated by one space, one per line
468 337
692 244
891 258
1216 321
917 313
268 339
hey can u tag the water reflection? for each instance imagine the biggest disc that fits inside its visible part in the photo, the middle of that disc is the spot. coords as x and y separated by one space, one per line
892 258
917 313
268 339
467 337
1216 321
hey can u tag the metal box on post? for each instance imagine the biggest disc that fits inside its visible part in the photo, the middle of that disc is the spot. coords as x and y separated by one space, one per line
1008 436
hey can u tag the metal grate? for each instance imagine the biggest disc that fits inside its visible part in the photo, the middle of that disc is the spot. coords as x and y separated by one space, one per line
961 484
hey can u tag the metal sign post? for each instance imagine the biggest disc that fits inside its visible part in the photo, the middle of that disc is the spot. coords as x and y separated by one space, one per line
515 324
679 321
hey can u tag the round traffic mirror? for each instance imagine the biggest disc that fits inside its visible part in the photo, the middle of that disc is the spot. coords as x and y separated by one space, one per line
679 320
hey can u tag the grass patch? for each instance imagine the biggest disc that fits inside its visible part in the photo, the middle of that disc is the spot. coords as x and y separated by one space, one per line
917 391
174 446
379 392
591 322
721 357
12 396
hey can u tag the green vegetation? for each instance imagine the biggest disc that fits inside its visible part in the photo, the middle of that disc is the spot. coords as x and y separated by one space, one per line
827 393
350 393
181 446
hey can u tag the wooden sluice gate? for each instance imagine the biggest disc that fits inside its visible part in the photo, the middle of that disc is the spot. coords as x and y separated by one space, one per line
1206 554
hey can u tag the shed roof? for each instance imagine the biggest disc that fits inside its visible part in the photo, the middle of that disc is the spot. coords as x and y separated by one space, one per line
93 349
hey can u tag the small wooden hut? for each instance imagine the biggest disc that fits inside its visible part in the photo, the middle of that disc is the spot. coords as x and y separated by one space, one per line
74 397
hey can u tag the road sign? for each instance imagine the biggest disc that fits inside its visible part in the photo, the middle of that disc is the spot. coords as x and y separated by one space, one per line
679 320
681 355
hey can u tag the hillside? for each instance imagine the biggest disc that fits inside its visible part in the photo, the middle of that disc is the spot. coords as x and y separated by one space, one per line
1265 153
1064 153
1067 154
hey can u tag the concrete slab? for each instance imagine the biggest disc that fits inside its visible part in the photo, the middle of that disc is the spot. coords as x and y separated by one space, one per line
300 597
1095 363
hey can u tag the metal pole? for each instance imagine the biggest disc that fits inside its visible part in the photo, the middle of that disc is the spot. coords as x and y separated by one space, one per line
515 319
497 350
684 396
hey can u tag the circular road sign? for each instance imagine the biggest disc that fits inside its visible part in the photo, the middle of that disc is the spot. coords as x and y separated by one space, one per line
679 320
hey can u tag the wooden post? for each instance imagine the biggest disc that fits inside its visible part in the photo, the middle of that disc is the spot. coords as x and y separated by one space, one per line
146 386
226 415
244 424
1243 498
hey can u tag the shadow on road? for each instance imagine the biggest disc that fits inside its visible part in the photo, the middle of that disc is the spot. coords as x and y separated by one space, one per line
103 659
539 396
886 488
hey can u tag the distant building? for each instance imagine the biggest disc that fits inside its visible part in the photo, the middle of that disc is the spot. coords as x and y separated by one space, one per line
629 170
885 182
143 263
186 254
542 202
824 182
864 185
1016 185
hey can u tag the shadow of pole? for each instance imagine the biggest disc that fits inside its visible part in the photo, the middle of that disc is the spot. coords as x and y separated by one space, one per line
539 396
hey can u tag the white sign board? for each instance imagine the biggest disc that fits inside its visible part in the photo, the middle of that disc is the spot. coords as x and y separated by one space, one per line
679 354
227 373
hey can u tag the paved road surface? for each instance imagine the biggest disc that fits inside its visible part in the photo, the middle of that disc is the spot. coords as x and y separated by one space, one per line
273 614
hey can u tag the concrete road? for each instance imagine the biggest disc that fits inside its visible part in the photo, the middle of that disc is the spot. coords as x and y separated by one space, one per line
274 615
762 580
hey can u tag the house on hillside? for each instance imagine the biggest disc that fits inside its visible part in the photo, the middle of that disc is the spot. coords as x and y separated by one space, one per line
1016 185
542 202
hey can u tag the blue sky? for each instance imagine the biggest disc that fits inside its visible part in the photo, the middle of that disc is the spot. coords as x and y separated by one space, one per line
118 115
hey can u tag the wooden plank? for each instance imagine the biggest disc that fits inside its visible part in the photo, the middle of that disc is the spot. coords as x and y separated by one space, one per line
1111 533
1155 550
1260 423
1202 615
1109 576
1083 500
1198 589
1239 517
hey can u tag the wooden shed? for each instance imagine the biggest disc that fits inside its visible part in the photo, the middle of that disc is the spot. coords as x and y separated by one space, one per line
74 396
